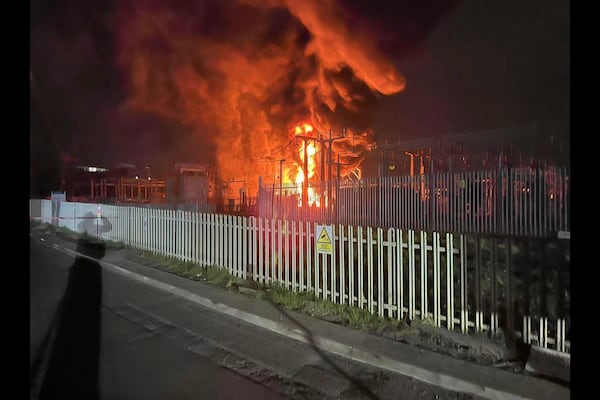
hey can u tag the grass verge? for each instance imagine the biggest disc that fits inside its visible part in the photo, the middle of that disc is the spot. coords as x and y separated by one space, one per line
421 333
304 302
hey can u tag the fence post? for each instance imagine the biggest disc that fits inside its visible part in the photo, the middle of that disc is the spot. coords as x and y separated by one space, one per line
399 274
450 281
390 270
370 283
494 297
380 272
464 315
129 241
437 310
510 309
333 282
360 293
342 264
309 258
478 312
350 265
411 274
424 275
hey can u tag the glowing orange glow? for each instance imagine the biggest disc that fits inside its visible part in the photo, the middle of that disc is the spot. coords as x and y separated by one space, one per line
226 87
303 128
349 151
311 151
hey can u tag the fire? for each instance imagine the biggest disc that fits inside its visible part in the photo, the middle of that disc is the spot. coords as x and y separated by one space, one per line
305 130
235 86
323 165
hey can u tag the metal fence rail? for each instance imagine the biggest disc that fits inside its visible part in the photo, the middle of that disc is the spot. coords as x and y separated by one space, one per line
392 272
532 202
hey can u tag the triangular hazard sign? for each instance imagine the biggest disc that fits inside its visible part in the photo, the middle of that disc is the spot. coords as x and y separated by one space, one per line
324 237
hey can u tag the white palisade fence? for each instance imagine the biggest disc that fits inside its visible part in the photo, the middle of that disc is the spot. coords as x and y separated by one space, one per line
394 273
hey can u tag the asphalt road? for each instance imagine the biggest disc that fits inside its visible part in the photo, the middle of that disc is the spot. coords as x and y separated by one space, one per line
128 340
97 330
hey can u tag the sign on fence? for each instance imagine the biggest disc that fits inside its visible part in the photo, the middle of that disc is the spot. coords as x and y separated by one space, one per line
324 235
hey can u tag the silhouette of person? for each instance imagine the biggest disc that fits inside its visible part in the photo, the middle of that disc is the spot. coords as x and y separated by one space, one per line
72 371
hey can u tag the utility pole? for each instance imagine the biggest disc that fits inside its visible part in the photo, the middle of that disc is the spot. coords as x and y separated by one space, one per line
421 154
322 141
329 142
305 139
337 209
412 162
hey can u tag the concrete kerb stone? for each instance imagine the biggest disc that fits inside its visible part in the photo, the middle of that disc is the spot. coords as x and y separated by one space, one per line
356 353
445 381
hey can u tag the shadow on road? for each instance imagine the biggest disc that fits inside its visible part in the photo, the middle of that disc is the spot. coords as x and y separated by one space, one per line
311 340
72 364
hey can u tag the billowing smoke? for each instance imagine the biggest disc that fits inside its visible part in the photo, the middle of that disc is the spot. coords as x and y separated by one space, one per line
244 73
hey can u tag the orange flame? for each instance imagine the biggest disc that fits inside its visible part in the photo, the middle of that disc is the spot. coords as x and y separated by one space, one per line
303 128
297 172
236 89
347 153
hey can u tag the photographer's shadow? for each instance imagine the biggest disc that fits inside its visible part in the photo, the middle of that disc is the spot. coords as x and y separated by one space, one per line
72 371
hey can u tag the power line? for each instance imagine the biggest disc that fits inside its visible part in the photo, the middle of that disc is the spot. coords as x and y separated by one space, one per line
278 151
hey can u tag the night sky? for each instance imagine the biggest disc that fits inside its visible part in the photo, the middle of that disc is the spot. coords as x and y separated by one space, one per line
135 81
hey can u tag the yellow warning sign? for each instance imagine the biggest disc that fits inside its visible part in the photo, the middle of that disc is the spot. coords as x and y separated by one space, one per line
324 235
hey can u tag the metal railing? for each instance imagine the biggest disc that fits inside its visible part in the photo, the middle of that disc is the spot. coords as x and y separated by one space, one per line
532 202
